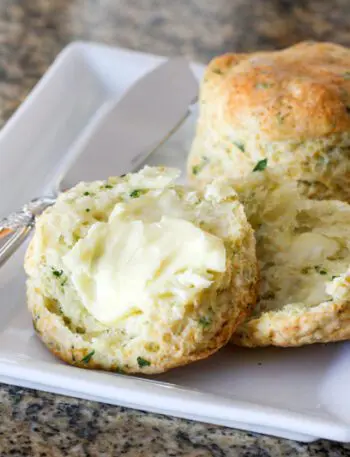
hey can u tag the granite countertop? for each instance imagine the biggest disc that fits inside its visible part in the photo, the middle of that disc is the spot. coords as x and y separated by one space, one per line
31 34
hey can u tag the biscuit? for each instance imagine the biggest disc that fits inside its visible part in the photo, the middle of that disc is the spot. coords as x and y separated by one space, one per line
289 107
303 250
139 275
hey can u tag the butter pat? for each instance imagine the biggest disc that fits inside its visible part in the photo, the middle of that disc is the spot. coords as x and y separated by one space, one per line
125 268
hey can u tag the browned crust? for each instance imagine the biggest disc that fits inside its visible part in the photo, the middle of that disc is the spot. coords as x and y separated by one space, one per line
325 323
75 357
301 92
46 328
56 336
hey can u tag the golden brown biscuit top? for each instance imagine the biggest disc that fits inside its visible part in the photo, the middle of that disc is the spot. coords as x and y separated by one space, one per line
298 93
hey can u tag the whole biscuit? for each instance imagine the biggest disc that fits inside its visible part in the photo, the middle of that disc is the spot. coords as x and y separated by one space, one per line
291 107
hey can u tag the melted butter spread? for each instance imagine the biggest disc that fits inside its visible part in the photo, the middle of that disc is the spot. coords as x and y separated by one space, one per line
127 266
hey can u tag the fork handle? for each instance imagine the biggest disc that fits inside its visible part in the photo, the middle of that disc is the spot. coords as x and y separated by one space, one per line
10 241
15 228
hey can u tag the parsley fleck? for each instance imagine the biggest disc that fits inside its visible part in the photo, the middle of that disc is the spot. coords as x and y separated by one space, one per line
76 237
239 145
199 167
305 270
122 176
261 165
87 210
195 170
136 193
86 193
63 283
217 71
143 362
320 270
263 85
204 322
57 273
333 277
108 186
88 357
119 370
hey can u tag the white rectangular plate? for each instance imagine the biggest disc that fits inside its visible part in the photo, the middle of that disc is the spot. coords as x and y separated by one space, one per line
300 393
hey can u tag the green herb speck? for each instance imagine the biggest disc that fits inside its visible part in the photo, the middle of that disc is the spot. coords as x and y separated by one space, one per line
108 186
204 321
88 357
143 362
119 370
320 270
57 273
63 283
86 193
263 85
199 167
217 71
136 193
239 145
87 210
76 237
333 277
261 165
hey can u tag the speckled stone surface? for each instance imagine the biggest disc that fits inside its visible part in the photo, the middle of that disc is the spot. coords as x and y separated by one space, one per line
32 32
40 424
